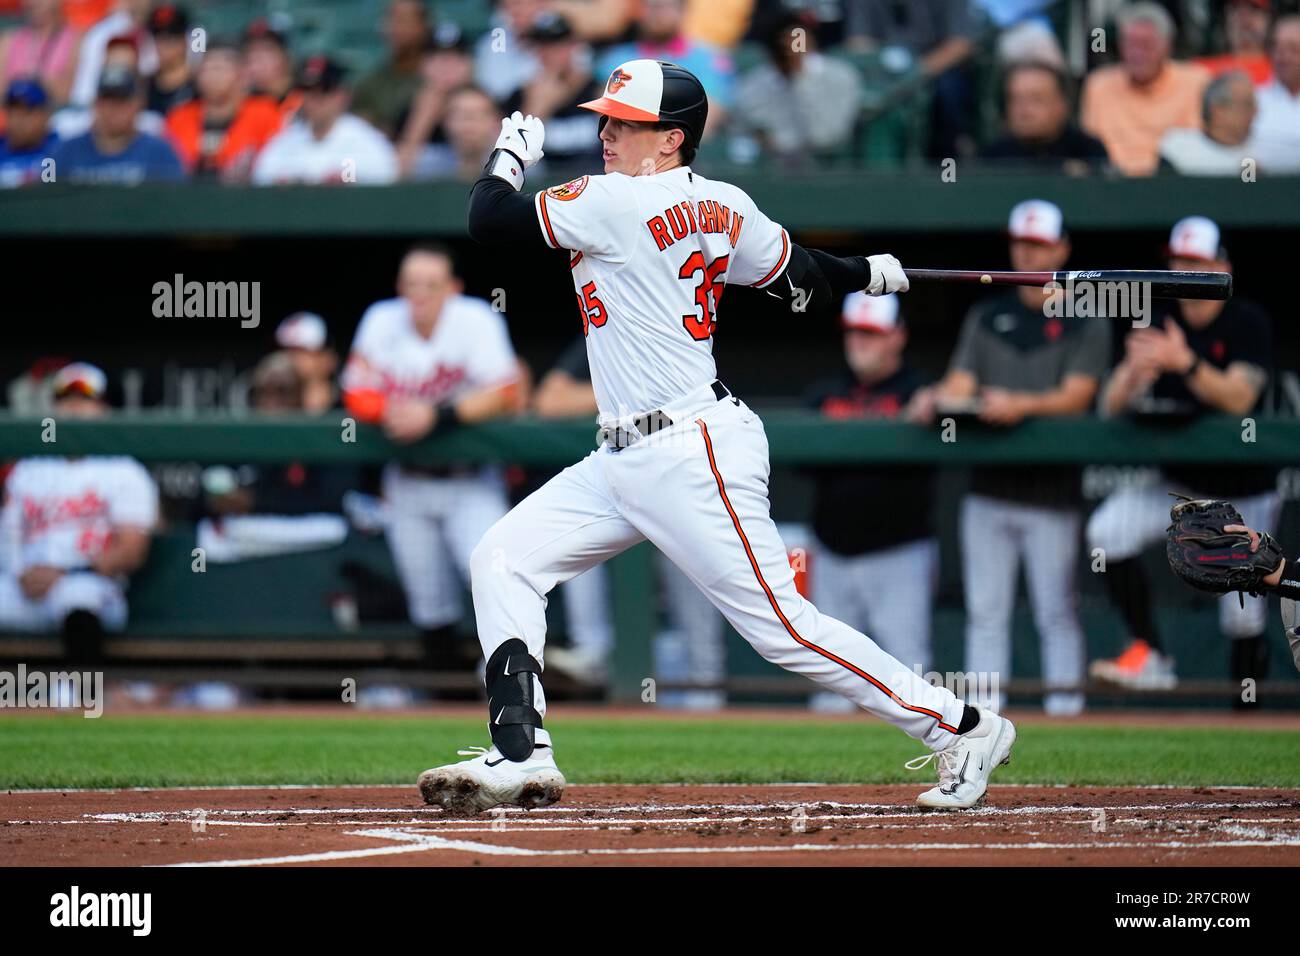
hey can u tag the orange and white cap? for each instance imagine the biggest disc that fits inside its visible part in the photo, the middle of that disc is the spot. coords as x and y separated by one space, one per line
79 378
655 91
1036 220
633 91
870 313
1196 237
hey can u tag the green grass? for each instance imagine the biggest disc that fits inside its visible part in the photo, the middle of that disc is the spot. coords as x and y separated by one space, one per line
120 751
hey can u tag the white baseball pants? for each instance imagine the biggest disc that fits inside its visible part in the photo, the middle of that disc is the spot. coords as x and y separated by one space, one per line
698 491
76 591
995 536
434 523
889 592
1135 517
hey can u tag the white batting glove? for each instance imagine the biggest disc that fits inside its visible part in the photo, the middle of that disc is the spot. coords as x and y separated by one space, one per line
518 147
887 275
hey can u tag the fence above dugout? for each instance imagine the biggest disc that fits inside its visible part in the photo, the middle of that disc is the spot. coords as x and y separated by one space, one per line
920 199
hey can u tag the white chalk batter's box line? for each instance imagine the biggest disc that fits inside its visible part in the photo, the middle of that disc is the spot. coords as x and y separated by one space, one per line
408 840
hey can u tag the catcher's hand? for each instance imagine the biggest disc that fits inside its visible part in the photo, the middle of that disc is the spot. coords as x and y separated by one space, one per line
1210 547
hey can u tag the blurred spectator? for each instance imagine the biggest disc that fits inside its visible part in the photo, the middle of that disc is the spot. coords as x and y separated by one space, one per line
563 80
604 21
1131 104
433 358
73 529
304 338
1201 357
128 19
799 102
27 140
473 122
220 134
1039 131
259 510
270 67
938 35
1220 148
384 94
1246 25
1277 126
326 143
447 66
1024 354
660 37
42 47
1025 31
173 84
115 151
875 571
502 63
719 23
81 15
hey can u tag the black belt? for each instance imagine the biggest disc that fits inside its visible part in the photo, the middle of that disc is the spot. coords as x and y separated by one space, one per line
648 423
438 471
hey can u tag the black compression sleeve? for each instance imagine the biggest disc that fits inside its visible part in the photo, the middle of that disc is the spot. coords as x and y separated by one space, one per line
498 214
817 282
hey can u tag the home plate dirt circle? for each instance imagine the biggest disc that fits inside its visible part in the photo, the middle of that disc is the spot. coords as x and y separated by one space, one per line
790 824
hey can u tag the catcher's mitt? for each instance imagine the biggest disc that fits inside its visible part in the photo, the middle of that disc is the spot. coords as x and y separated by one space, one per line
1209 558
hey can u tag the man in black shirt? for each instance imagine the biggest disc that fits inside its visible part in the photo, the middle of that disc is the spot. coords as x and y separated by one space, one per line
1022 355
874 568
173 83
1202 357
1039 132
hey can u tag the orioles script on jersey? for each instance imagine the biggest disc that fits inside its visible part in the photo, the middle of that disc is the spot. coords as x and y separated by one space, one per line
678 222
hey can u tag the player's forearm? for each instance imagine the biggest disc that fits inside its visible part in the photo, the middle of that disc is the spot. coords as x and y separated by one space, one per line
817 281
498 214
1120 390
126 551
486 404
1222 390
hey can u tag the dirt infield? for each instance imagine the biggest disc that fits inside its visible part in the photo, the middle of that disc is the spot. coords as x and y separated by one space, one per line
783 824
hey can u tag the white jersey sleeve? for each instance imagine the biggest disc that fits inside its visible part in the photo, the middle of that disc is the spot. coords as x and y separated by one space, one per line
762 251
595 215
11 524
134 500
492 362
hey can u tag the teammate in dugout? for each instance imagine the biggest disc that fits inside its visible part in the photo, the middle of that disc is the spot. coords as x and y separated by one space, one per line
1203 356
429 360
683 463
72 530
875 570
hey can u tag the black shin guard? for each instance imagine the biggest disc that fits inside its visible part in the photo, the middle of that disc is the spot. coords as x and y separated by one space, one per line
511 681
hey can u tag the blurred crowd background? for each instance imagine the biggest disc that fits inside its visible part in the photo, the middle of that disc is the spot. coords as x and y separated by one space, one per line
376 91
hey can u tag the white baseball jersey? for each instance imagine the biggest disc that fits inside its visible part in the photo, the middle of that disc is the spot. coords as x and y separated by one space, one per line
61 511
650 258
469 349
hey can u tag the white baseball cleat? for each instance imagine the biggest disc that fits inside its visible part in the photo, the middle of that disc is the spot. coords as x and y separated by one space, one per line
489 780
964 767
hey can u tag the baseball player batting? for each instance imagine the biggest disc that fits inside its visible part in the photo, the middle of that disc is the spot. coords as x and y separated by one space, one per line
682 463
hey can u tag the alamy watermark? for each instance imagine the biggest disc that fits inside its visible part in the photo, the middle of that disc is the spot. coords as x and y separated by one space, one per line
179 299
1085 297
67 690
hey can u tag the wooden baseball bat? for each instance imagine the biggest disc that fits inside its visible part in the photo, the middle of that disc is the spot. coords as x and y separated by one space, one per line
1164 284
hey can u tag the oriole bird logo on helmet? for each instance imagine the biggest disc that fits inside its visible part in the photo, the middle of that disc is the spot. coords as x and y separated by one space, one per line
616 80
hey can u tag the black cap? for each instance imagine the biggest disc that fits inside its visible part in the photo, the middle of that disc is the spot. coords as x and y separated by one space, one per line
321 73
118 80
169 20
549 28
